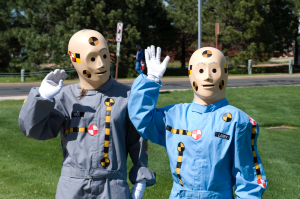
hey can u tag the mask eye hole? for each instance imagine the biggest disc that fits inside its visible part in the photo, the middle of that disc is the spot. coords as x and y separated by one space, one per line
93 59
201 71
214 70
104 56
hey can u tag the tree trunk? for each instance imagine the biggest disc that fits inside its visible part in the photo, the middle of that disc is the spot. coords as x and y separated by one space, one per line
183 51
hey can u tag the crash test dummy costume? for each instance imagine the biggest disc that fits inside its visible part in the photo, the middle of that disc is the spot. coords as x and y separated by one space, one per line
211 145
95 130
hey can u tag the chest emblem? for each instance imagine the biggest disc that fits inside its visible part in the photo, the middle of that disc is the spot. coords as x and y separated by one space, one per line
196 134
227 117
93 129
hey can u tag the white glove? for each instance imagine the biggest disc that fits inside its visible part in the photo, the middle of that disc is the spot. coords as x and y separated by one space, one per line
155 69
138 189
52 84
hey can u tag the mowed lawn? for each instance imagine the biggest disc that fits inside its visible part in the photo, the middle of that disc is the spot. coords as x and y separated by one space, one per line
31 168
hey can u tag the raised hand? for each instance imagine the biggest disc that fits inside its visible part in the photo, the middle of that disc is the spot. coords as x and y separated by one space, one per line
52 84
155 69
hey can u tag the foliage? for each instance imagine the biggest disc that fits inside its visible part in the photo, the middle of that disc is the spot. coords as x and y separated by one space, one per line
253 28
47 26
184 15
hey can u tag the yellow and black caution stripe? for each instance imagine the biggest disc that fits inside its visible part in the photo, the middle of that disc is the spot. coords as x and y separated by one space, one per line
178 131
254 153
225 68
180 149
76 129
221 85
109 103
195 86
190 70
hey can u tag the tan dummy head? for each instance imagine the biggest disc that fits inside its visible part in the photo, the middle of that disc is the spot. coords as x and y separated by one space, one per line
90 56
208 73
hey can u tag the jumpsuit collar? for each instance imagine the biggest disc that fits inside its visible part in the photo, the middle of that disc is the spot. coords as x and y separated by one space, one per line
210 108
104 88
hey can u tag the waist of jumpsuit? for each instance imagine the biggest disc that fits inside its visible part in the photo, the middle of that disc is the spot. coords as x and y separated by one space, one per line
203 194
92 173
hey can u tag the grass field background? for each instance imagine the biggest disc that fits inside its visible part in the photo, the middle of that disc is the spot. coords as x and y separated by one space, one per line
31 168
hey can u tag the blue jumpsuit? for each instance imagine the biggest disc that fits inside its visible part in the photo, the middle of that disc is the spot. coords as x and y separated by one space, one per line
211 148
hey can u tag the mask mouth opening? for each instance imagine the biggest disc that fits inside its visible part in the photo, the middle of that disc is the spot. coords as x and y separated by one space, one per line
102 72
208 85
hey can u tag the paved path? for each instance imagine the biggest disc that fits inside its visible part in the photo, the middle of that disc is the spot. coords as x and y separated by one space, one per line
21 90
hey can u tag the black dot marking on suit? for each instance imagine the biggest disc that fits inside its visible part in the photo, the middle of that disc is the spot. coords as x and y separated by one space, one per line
93 59
201 71
214 70
104 56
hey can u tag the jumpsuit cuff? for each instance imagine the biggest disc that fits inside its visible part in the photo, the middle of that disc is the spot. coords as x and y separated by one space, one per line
138 173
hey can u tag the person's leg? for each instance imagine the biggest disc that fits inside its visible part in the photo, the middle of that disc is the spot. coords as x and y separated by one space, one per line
138 68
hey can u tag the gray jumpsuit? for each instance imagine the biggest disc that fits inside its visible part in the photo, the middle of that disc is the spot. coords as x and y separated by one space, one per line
96 136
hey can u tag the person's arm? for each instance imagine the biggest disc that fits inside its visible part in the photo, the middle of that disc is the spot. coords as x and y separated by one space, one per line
248 171
149 121
41 116
139 174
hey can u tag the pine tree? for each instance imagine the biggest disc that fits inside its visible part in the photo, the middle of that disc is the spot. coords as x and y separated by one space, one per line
184 15
252 28
48 26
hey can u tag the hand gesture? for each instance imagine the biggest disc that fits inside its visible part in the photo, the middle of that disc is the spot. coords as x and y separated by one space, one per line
155 69
52 84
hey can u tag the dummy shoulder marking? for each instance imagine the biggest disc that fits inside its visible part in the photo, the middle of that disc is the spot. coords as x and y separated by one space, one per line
227 117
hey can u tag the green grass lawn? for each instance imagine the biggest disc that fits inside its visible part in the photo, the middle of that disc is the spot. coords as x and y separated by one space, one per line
31 168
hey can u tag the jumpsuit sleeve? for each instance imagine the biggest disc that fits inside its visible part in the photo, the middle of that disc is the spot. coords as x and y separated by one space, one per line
149 121
39 118
248 171
137 147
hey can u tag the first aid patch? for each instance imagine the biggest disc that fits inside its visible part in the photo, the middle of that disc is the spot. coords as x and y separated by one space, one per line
196 135
93 129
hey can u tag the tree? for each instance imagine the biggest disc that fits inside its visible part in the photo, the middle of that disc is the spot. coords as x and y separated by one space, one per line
184 15
296 12
48 26
255 27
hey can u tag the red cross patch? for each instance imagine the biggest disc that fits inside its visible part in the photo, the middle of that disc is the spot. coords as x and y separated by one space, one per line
252 121
93 129
262 183
196 134
72 57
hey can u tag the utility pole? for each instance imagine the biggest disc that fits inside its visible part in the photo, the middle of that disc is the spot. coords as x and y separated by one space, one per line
118 39
199 24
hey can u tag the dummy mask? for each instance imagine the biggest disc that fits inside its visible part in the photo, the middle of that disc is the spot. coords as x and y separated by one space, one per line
208 73
90 56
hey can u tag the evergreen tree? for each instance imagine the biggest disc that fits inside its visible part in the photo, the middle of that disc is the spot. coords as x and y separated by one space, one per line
184 15
252 28
48 25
